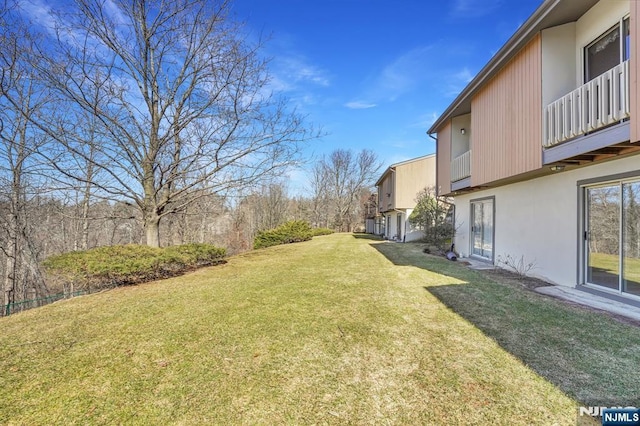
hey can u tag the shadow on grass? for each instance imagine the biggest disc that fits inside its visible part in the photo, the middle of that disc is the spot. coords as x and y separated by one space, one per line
586 354
411 254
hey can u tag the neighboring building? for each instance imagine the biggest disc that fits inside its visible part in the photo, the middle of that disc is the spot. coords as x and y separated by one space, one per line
398 188
371 216
541 154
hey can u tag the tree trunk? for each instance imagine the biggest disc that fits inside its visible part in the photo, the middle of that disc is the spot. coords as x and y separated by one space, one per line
152 230
9 277
13 244
86 200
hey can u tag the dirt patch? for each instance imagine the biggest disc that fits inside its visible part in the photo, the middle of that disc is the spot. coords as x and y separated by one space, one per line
508 277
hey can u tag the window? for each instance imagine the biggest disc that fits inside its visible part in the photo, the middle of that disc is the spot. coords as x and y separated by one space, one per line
607 51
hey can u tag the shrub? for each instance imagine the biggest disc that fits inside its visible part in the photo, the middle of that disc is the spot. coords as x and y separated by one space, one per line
107 267
316 232
435 217
291 232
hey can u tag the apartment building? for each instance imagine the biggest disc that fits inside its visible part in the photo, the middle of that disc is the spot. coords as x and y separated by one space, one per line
398 187
541 150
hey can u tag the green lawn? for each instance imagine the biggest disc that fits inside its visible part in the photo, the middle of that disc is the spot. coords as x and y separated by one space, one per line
335 330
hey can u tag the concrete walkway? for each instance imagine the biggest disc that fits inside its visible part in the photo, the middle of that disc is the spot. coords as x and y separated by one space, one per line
592 300
476 264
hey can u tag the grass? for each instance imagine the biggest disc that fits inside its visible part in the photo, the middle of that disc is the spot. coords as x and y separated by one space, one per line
591 356
327 331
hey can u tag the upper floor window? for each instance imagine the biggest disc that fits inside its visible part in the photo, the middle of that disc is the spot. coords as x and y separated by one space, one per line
607 51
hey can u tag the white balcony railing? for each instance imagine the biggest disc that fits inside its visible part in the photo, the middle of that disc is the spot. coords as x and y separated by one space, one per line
596 104
461 167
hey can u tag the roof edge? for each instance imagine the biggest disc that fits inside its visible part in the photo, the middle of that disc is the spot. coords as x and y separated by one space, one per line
497 61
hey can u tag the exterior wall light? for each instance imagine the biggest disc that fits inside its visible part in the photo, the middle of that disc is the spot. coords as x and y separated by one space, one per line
463 131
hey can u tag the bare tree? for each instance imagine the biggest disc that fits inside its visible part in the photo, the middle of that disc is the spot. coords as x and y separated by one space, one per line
320 205
203 221
20 98
270 204
266 207
181 103
339 181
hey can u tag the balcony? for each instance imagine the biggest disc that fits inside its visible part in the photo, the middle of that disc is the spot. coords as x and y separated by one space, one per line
461 167
597 104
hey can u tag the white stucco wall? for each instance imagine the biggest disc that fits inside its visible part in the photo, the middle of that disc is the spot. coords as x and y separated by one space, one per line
391 229
558 62
538 219
459 142
405 233
412 235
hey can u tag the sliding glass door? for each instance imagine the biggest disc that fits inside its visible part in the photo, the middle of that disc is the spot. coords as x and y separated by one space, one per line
612 236
482 228
603 236
631 238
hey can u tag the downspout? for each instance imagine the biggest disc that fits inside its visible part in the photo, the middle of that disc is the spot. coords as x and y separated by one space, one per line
393 192
436 141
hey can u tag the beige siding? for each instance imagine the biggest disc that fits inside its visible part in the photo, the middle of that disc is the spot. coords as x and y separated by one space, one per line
443 152
411 178
386 193
506 120
634 22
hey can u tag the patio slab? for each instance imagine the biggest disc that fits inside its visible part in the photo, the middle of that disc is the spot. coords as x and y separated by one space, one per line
598 302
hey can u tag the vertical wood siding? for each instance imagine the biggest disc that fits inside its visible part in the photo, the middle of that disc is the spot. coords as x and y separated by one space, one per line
411 178
506 119
443 159
634 91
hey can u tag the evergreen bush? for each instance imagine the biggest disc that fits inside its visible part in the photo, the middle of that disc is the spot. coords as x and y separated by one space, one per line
435 217
291 232
112 266
316 232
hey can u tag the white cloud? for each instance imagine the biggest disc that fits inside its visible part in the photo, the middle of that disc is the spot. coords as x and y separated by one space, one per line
294 76
295 70
359 105
404 74
455 82
114 12
40 13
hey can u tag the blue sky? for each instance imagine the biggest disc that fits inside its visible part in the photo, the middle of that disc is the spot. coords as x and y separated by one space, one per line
372 74
375 74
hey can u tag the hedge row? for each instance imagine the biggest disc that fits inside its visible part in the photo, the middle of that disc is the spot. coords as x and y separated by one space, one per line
107 267
290 232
